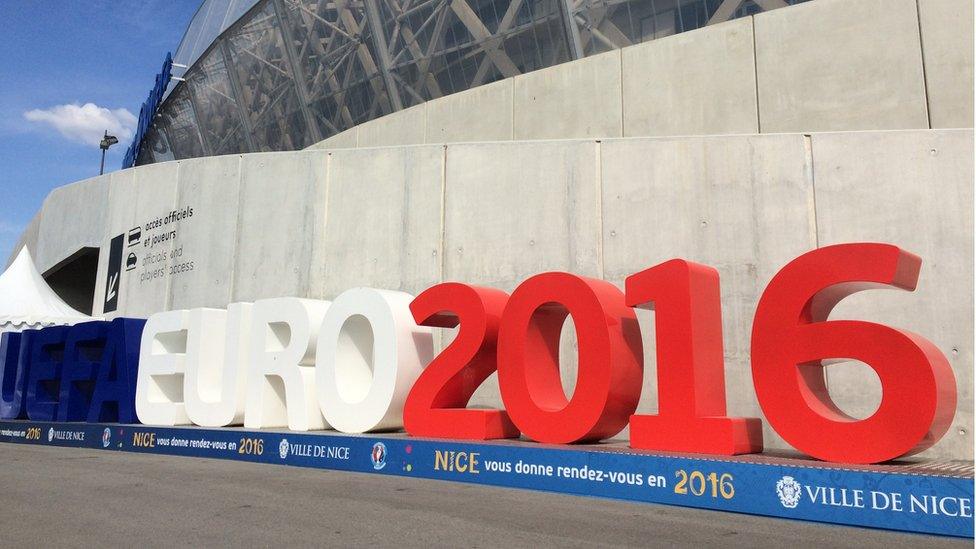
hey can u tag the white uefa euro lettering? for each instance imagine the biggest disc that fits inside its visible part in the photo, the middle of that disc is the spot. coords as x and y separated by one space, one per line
303 364
159 388
370 352
216 365
281 380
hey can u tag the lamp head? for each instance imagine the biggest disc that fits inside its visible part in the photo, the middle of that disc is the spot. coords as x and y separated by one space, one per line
107 141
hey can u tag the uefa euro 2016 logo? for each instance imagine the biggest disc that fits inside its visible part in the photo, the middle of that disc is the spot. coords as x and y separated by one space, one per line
283 448
378 456
106 437
789 492
50 434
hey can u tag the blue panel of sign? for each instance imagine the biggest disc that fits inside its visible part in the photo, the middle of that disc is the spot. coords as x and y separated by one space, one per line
794 489
148 111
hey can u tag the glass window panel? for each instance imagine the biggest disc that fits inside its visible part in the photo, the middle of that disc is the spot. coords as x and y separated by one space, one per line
334 48
211 27
216 107
604 25
235 10
441 47
435 48
177 122
155 148
268 96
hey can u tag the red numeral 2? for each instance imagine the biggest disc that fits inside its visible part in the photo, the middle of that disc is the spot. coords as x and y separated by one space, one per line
436 404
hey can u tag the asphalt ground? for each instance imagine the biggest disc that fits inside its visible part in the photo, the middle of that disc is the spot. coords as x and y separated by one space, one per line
69 497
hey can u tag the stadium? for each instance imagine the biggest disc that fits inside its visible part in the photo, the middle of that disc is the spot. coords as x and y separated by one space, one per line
305 147
271 76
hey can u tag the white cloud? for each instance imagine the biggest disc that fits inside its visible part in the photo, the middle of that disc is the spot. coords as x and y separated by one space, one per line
86 123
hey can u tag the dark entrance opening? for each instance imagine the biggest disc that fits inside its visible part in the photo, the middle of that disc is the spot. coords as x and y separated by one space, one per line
73 279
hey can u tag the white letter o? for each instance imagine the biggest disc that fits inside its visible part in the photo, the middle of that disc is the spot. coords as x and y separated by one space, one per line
368 355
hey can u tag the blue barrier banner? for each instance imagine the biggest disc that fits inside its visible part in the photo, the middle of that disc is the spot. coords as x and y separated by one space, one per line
877 497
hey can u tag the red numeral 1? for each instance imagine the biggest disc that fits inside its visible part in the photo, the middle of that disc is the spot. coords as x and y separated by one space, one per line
610 359
436 404
691 416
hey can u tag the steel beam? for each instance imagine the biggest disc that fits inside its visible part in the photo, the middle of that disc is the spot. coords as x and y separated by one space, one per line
235 90
573 40
383 54
297 73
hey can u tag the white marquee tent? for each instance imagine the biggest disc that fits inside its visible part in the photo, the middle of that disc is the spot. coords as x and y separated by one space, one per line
27 302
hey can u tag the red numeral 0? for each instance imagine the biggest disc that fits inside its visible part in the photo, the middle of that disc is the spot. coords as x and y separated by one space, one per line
610 360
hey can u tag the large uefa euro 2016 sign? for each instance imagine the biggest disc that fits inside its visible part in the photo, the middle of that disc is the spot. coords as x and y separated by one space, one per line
289 369
363 362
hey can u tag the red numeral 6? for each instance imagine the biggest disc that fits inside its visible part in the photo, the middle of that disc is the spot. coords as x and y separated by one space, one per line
791 336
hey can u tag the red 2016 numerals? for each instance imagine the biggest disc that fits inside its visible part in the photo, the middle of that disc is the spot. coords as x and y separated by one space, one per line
790 338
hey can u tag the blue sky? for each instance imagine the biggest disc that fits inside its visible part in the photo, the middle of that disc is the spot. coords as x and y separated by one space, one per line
69 67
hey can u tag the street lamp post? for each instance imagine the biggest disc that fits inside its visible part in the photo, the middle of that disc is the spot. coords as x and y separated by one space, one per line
107 142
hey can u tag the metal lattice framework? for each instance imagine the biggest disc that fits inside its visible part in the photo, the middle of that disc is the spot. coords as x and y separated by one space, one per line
283 74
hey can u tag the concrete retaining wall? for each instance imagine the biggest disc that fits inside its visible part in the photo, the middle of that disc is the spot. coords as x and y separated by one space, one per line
314 223
827 65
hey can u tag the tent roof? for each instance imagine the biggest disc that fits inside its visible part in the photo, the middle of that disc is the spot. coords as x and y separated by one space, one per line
26 301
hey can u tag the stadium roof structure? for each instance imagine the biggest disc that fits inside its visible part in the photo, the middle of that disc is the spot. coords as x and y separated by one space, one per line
274 75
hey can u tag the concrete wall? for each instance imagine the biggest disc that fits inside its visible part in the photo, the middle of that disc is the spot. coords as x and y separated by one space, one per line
278 194
694 83
485 113
211 186
827 65
740 204
406 127
872 187
947 52
136 198
580 99
314 223
870 76
380 220
89 221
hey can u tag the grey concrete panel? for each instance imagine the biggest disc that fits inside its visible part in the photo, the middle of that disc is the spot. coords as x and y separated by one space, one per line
85 203
276 223
117 220
701 82
382 221
835 65
484 113
202 268
740 204
137 198
406 127
913 189
513 210
348 139
27 238
947 49
516 210
578 99
145 289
